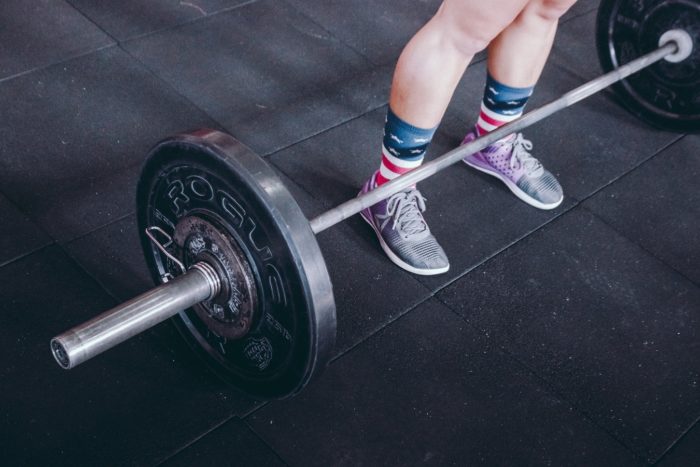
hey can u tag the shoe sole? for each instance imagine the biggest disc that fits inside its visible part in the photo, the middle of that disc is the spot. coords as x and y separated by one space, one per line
398 261
514 188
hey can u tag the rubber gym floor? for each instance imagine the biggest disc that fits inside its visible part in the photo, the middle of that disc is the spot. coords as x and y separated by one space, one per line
567 337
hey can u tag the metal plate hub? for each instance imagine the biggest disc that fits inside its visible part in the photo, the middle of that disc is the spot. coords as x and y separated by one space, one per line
231 313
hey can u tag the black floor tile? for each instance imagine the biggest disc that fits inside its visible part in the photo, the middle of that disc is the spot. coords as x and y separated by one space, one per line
125 19
39 33
429 390
134 405
74 143
602 321
686 452
658 206
575 46
231 444
579 8
333 166
265 72
379 31
18 234
114 257
311 114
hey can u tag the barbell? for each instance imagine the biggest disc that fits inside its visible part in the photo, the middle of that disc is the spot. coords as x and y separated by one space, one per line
238 262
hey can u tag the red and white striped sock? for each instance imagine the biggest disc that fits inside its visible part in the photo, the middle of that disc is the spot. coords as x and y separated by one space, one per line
501 104
489 120
403 148
391 166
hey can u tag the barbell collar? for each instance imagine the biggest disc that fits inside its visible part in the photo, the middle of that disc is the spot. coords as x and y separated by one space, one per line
355 205
114 326
682 39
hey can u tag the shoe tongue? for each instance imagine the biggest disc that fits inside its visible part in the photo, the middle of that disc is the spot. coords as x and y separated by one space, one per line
410 218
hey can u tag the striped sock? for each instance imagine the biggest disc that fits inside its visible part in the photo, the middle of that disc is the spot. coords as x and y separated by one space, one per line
501 104
403 148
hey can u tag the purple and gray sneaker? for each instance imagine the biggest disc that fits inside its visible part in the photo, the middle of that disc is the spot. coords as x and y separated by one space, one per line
510 161
403 233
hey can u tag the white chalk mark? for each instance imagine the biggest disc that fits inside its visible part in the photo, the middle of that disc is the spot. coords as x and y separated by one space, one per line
196 7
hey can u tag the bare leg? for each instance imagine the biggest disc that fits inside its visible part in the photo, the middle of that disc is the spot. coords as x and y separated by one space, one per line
517 56
434 60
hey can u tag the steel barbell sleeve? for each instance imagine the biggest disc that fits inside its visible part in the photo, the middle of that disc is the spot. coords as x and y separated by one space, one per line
114 326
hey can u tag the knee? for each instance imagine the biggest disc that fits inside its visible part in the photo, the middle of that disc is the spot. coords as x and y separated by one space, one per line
470 41
466 33
550 10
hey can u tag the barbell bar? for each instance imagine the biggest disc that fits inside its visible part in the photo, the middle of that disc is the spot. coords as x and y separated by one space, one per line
253 285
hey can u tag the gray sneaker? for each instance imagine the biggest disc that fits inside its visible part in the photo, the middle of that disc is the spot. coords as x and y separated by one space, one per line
403 233
510 161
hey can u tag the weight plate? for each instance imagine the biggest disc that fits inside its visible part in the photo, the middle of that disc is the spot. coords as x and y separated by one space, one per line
221 201
666 95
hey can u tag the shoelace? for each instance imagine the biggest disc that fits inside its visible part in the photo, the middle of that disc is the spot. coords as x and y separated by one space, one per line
521 156
405 208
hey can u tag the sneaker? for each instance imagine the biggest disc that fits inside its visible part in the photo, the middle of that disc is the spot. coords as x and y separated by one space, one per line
510 161
403 233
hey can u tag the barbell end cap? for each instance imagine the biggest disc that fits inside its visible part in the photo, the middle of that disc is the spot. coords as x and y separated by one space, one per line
58 350
683 42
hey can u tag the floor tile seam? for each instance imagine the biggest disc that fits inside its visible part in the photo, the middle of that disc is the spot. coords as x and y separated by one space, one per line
26 254
195 440
187 23
577 202
634 167
550 388
50 240
641 247
91 21
82 235
384 103
268 154
325 205
578 15
508 246
76 262
150 70
668 450
72 57
641 163
351 47
330 33
166 28
501 345
170 86
266 443
382 326
64 241
121 44
59 62
227 128
356 345
564 65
